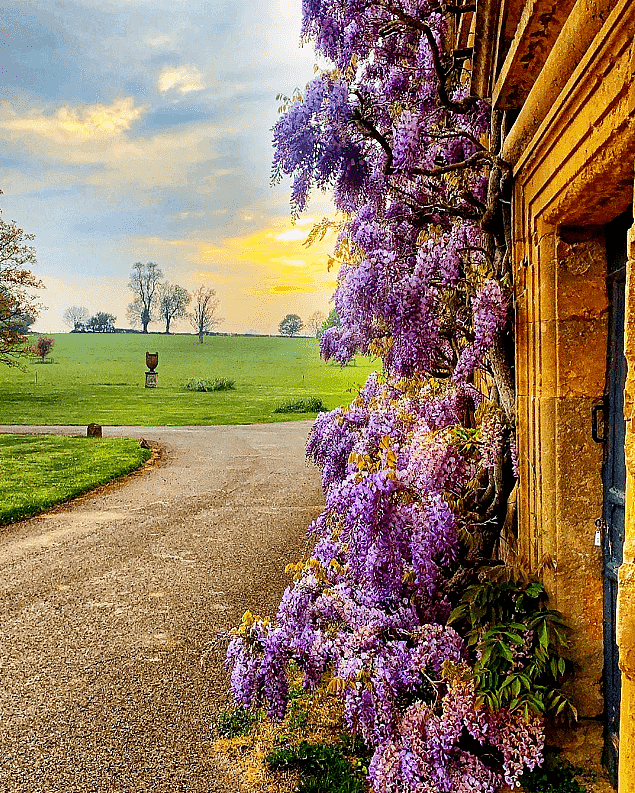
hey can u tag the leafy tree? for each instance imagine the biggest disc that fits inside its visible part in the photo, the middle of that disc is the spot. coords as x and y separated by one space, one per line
172 304
332 321
202 317
75 317
43 347
22 323
290 325
144 283
17 307
101 322
315 322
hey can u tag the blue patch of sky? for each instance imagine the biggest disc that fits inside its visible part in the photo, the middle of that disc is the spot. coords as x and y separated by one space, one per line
46 57
138 89
25 165
167 117
165 58
59 192
110 225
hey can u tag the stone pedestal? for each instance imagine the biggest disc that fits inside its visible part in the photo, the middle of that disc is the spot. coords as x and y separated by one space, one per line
151 379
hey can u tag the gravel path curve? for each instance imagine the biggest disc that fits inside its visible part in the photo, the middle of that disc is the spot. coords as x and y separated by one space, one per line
111 605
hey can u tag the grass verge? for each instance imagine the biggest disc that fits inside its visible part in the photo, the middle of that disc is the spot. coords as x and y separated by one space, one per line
38 471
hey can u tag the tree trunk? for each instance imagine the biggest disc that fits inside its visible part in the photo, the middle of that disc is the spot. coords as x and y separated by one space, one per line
503 378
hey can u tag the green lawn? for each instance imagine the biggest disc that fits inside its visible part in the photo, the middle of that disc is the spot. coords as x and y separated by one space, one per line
37 471
100 378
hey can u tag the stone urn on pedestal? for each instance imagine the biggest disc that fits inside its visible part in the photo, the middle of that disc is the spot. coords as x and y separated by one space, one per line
152 361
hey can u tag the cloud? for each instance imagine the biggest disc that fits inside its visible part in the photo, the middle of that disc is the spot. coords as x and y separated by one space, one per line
71 124
184 79
291 234
269 260
126 121
159 41
285 288
98 139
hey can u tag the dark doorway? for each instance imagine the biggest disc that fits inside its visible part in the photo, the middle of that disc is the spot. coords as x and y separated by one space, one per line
614 478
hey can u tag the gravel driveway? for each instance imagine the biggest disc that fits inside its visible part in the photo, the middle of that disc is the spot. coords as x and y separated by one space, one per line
111 605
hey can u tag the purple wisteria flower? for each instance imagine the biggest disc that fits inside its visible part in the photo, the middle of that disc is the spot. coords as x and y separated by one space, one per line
416 287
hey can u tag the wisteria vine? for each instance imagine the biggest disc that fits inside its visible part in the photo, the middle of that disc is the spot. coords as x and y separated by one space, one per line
419 471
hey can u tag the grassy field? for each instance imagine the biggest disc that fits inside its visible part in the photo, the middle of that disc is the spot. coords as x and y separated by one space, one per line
100 378
37 471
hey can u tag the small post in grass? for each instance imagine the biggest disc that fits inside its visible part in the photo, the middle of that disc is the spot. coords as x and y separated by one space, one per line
152 361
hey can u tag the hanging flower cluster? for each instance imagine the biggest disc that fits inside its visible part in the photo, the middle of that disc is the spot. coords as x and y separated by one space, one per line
368 610
416 470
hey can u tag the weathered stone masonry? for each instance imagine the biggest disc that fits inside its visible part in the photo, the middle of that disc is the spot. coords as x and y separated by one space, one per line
565 72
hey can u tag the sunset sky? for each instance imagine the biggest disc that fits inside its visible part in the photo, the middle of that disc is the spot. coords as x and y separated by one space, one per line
140 130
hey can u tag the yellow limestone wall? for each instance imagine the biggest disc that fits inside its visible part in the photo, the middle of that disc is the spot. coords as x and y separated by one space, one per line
573 152
561 361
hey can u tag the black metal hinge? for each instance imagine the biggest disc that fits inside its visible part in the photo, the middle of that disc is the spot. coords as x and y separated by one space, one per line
600 407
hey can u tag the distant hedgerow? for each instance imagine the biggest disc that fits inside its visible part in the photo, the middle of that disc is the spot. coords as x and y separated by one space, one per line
213 384
301 405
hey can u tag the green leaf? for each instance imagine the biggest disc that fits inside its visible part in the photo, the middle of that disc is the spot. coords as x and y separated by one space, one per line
506 651
517 626
537 702
457 613
543 636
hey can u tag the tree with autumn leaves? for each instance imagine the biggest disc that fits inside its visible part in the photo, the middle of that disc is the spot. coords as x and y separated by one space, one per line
17 284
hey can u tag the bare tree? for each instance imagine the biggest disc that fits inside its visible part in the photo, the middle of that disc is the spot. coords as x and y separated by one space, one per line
144 284
16 284
315 322
173 302
202 316
75 317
